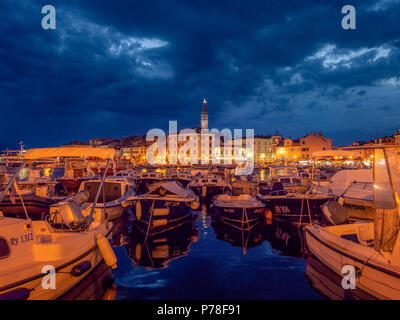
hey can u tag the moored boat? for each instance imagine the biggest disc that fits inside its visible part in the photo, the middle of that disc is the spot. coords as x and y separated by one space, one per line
242 211
295 208
370 250
182 177
289 177
354 190
144 179
68 248
114 192
206 187
166 204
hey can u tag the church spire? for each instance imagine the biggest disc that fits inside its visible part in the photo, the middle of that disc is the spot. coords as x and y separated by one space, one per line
204 116
205 106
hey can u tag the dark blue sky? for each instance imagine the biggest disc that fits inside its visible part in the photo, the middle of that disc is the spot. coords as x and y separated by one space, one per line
118 68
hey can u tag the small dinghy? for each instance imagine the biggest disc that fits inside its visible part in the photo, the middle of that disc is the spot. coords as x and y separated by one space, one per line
166 205
242 211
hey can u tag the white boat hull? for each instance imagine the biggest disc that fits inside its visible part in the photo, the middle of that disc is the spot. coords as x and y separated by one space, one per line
376 277
63 251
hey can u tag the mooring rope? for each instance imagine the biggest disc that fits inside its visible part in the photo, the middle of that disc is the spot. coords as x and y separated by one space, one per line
149 223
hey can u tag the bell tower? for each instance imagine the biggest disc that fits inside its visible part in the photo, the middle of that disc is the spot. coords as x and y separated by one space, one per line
204 116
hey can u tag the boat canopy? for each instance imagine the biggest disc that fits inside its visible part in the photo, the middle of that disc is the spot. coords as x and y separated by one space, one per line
336 153
172 187
70 152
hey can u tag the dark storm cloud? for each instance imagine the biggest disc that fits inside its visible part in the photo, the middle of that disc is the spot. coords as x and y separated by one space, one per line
115 68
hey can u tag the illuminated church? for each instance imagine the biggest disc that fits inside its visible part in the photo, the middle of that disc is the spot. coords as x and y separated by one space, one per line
204 116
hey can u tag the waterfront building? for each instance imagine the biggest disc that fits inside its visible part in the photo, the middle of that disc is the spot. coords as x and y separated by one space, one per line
263 149
135 153
288 150
313 142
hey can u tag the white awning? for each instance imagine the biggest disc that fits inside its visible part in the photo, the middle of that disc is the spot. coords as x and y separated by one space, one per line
70 152
336 153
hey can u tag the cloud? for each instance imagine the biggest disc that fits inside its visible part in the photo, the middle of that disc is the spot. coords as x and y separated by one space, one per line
383 5
115 69
332 57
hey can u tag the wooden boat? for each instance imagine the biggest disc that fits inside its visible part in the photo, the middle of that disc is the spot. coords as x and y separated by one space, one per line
295 208
243 211
144 179
206 187
166 204
68 247
35 199
183 178
115 190
371 249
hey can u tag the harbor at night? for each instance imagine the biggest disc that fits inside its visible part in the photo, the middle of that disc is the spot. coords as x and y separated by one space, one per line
190 152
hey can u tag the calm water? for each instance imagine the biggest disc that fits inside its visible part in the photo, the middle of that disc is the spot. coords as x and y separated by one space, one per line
207 260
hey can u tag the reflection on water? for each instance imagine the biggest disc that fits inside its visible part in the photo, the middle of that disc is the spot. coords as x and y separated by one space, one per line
204 258
288 239
157 250
239 238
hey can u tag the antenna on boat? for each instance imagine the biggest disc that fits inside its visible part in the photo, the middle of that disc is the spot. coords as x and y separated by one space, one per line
9 184
90 218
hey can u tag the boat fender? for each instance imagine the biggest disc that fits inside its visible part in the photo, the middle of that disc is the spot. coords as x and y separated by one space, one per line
106 251
81 268
16 294
268 214
195 205
203 191
138 252
138 210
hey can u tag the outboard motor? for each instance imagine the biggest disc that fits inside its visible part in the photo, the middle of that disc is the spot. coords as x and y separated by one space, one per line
81 197
70 214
